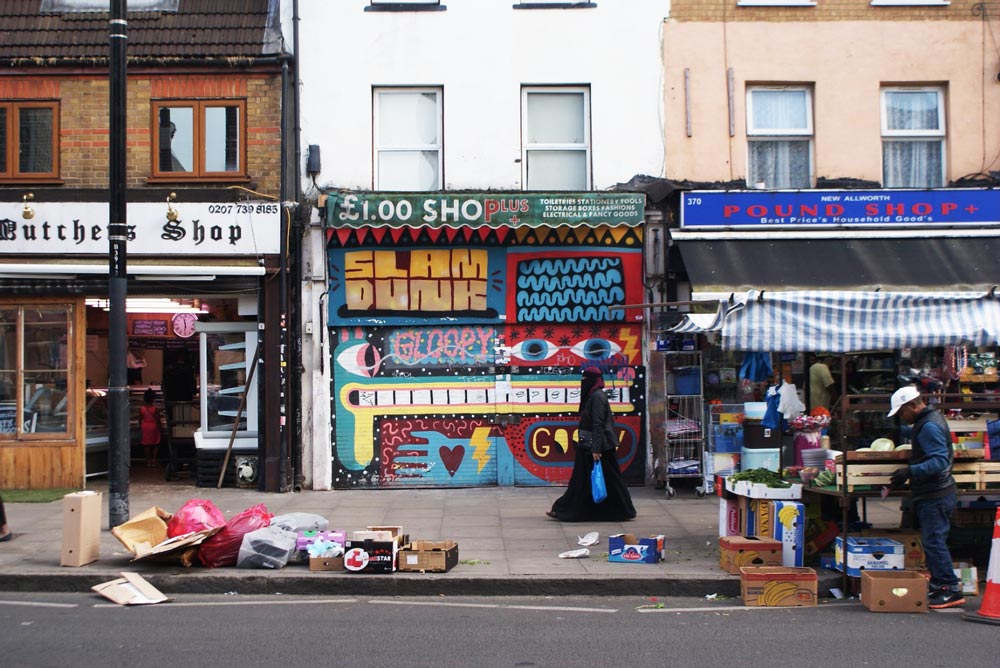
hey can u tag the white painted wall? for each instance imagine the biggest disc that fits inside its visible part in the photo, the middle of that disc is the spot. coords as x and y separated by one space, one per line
481 52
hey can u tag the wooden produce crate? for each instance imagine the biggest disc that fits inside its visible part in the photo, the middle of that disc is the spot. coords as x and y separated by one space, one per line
864 477
868 477
989 475
966 475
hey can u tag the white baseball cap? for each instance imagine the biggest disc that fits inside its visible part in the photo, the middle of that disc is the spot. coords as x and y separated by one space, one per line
903 395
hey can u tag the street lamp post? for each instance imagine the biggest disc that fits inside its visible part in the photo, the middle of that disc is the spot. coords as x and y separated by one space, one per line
119 437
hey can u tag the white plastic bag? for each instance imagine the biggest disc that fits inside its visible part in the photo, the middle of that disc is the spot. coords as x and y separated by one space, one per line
269 547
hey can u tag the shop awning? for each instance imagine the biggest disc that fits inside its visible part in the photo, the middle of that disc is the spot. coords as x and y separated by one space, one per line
720 264
845 321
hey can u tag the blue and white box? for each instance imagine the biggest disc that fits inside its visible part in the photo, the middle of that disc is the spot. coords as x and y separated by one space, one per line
871 554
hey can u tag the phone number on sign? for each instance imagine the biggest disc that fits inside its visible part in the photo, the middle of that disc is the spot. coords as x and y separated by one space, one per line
242 208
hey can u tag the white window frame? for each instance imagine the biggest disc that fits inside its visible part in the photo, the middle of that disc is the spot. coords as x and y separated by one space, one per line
940 133
379 148
806 134
585 147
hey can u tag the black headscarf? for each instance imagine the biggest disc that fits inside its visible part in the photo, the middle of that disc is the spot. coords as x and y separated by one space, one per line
593 379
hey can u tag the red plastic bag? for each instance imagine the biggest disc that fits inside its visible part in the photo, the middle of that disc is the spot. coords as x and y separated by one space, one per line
223 548
195 515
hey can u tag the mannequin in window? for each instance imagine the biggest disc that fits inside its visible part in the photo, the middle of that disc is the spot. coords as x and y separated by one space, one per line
168 161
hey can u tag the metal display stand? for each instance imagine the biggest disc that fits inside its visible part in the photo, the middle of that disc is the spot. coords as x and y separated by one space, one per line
685 427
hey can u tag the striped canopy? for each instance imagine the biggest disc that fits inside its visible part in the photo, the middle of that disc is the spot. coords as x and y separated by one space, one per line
846 321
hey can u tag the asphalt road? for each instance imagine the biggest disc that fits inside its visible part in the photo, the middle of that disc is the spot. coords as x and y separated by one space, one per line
59 630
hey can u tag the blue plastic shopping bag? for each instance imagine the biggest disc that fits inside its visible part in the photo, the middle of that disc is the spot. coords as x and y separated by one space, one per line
597 487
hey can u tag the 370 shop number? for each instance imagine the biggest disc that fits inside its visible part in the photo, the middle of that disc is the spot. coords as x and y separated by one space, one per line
241 208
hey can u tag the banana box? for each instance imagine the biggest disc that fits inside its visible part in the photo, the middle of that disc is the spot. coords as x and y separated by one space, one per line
873 554
784 521
735 552
777 586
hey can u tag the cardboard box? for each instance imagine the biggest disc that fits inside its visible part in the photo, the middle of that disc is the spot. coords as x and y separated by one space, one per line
894 591
130 589
81 535
736 552
429 556
784 521
913 545
326 563
626 548
757 490
968 575
307 538
777 586
873 554
729 517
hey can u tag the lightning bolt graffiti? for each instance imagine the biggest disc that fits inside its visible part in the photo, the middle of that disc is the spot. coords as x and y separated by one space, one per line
480 443
631 345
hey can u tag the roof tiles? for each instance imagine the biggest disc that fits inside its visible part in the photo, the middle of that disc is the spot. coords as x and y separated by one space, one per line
198 29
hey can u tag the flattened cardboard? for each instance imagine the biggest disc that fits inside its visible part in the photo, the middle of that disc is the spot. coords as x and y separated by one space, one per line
130 589
145 536
143 531
428 556
81 531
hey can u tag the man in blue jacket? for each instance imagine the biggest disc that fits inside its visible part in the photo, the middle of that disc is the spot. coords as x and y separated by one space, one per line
932 490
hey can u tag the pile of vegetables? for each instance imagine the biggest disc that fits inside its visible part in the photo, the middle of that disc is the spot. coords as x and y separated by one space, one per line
764 476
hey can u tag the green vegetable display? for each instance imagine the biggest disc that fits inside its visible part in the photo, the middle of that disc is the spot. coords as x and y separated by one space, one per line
763 476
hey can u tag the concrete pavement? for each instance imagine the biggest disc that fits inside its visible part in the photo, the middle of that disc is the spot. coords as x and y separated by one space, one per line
507 546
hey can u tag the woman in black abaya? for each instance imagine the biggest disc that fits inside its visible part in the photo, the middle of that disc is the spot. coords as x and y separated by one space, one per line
596 443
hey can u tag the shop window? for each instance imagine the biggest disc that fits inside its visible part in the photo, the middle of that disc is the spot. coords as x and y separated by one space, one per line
913 138
29 134
34 371
408 147
555 154
228 397
779 137
203 139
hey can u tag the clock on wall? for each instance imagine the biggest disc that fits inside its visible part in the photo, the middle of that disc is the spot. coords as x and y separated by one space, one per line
184 324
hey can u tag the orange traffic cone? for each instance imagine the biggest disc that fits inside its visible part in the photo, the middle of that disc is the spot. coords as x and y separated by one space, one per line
989 613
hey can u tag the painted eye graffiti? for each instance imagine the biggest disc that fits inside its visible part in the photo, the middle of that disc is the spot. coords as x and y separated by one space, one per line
596 349
534 350
362 359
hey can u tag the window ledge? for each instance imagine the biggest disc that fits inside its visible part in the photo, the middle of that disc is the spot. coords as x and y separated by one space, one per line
555 5
910 3
775 3
29 181
406 7
236 178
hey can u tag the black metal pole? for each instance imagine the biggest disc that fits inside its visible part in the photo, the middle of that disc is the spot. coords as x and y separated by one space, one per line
119 438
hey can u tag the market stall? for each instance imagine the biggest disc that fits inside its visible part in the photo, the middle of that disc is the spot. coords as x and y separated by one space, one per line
897 338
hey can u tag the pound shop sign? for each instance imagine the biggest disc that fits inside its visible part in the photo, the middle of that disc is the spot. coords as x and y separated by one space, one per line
715 209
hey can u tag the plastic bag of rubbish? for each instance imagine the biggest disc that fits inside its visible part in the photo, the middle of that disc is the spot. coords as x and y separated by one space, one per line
582 553
325 549
268 547
195 515
223 548
296 522
589 539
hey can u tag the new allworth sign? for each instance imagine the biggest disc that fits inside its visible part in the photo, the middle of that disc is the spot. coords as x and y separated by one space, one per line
717 209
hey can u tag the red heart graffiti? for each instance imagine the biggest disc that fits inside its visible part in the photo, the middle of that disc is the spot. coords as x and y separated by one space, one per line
452 457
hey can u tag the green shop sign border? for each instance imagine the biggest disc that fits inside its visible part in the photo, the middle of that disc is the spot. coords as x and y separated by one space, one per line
484 209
